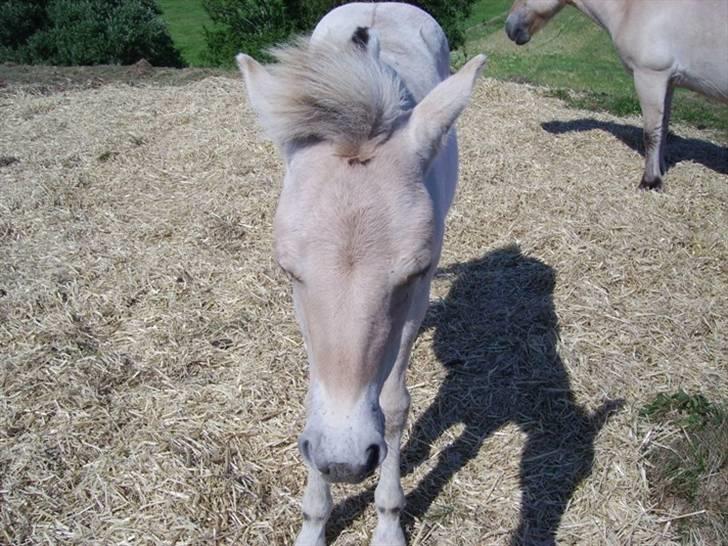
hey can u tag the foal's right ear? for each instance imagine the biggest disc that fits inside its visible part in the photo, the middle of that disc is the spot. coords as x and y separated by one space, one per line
257 81
435 115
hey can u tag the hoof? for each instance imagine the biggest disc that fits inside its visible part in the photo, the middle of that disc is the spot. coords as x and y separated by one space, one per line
654 185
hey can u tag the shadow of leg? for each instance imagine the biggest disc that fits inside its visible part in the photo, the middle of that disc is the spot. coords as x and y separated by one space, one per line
346 512
678 149
559 454
449 461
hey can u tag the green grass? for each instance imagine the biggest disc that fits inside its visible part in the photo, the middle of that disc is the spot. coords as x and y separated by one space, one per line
687 472
572 54
186 20
689 411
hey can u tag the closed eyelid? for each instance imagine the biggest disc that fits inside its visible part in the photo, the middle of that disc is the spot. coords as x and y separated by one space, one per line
416 273
288 272
292 276
421 271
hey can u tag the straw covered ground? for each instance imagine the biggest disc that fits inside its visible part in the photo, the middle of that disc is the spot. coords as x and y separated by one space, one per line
152 375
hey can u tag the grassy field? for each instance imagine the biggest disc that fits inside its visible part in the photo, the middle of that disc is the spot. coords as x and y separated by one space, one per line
572 54
678 470
186 20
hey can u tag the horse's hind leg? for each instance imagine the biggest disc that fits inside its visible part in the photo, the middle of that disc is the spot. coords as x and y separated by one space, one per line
653 91
316 510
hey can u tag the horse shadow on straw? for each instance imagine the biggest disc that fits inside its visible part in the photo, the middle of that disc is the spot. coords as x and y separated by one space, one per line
496 334
678 149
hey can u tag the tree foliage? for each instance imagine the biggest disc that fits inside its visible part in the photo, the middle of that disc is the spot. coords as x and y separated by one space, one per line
451 15
252 26
84 32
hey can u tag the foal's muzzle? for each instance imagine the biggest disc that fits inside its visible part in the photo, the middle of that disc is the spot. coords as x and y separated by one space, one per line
361 467
348 473
516 29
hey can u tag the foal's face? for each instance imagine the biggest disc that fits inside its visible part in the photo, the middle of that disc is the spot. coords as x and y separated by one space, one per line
359 239
528 17
357 242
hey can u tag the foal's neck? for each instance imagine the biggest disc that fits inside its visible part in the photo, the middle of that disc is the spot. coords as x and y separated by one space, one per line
607 14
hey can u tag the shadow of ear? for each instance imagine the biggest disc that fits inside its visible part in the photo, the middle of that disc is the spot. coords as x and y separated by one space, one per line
602 414
679 149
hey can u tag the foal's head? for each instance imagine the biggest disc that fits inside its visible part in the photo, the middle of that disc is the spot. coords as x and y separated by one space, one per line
356 228
527 17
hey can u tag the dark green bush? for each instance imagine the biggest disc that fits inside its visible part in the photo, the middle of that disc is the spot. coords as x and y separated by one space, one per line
138 31
85 32
451 15
253 26
19 19
246 25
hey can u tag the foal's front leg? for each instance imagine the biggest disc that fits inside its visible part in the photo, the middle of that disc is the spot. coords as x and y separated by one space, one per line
395 402
316 510
389 496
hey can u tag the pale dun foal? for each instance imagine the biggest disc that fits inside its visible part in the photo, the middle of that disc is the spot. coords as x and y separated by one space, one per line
363 116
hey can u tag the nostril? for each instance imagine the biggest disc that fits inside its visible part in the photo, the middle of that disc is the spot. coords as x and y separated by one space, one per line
372 458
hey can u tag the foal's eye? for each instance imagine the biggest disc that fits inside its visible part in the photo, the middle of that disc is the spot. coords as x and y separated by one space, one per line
291 276
412 277
401 291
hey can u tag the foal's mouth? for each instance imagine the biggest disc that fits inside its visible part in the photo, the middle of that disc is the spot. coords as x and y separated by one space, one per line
346 478
522 37
348 473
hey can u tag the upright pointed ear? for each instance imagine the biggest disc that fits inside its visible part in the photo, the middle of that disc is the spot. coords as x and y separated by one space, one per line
433 117
257 81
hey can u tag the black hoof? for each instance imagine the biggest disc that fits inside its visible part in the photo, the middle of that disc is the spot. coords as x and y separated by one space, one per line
654 185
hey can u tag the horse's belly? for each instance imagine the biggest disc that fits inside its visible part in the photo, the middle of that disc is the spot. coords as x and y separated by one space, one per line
704 75
699 47
687 39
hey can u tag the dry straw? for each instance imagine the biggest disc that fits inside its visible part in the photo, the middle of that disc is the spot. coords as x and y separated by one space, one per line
152 375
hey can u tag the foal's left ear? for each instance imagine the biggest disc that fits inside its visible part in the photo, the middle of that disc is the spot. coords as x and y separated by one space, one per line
433 117
257 81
